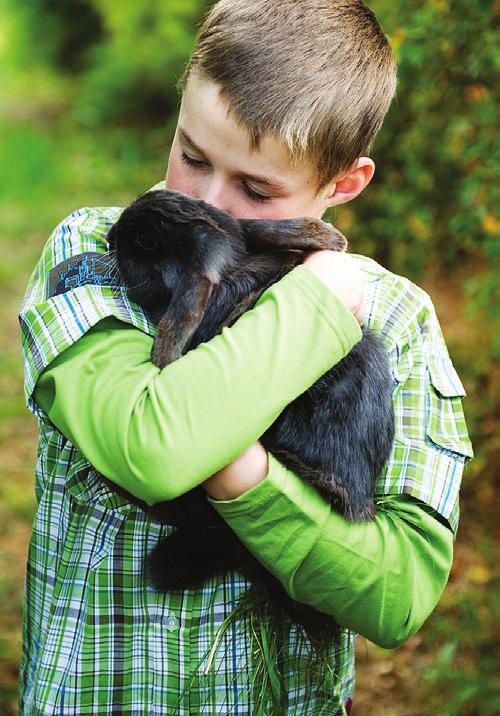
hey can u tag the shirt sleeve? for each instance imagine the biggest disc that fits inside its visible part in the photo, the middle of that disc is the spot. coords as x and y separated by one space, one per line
159 433
431 446
380 578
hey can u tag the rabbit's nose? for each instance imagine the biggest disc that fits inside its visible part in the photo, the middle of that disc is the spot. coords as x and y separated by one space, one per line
148 243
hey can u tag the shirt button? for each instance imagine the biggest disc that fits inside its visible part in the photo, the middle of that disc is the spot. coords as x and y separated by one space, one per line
171 622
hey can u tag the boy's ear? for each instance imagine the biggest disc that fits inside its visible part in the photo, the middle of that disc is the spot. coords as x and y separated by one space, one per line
347 187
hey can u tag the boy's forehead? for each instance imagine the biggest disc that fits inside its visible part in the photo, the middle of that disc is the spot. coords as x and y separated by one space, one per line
206 122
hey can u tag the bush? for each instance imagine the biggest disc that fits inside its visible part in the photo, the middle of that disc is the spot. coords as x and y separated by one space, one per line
433 195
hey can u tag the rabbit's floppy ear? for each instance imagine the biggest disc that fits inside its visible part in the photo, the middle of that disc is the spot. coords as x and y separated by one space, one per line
182 317
305 234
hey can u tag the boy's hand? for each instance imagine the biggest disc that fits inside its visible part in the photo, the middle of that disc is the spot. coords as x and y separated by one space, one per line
245 472
341 274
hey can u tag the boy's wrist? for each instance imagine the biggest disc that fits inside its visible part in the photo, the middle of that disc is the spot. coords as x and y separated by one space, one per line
247 471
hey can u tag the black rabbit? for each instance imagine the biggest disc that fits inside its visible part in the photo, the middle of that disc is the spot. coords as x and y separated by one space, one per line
196 269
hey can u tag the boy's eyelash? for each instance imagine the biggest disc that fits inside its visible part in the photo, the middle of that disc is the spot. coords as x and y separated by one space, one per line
190 161
253 195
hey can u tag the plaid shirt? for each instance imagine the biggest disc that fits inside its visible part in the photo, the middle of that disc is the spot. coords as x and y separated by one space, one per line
96 639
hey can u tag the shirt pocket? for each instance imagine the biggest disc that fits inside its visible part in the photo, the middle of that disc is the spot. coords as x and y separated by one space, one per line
446 426
97 513
88 488
428 399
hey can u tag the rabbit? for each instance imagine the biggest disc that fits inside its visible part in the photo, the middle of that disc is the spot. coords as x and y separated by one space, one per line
196 269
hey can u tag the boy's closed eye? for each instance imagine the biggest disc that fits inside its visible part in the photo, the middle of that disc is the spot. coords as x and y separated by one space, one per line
198 164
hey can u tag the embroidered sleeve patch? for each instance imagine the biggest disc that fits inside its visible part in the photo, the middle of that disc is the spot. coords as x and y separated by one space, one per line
90 268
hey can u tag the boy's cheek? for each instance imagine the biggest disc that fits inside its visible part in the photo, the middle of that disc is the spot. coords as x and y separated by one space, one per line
177 178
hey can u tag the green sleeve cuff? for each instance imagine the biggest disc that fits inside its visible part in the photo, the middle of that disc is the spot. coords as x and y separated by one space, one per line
278 483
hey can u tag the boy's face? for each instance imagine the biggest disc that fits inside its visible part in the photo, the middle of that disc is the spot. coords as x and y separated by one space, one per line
210 159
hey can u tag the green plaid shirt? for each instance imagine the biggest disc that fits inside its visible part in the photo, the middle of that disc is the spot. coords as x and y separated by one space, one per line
92 630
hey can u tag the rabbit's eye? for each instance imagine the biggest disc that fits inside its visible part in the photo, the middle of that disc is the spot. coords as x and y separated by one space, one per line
148 243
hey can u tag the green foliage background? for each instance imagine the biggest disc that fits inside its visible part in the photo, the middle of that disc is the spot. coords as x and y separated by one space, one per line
87 109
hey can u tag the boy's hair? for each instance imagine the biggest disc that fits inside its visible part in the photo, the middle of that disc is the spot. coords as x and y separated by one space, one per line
319 75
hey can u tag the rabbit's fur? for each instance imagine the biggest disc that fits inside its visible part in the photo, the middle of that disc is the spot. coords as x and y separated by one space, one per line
196 269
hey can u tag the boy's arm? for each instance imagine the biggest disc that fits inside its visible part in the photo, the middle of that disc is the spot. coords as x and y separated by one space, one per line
158 433
380 579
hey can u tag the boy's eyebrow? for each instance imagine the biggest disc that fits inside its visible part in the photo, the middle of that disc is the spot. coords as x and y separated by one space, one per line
259 179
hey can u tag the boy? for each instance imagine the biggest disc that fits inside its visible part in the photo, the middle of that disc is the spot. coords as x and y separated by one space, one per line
281 102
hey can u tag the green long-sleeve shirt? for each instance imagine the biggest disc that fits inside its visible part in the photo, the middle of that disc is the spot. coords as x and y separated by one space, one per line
96 636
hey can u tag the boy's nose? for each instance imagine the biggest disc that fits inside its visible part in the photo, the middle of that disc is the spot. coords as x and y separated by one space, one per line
216 193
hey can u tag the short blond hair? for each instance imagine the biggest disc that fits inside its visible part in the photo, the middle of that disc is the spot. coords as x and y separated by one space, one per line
319 75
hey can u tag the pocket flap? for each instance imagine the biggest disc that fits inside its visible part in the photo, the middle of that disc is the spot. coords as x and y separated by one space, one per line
446 424
444 377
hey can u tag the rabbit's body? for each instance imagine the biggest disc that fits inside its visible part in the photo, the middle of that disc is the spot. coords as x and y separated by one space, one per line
196 269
